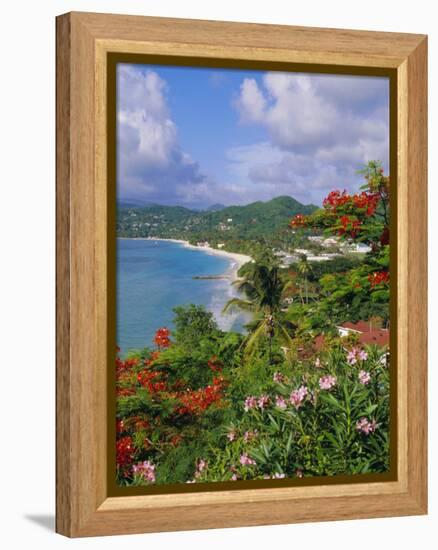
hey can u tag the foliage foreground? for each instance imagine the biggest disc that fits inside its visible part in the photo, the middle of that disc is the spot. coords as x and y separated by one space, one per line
186 415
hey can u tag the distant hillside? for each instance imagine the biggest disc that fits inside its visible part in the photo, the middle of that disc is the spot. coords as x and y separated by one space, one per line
232 225
215 207
134 203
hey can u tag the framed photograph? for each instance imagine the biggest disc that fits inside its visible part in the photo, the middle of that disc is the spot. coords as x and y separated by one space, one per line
241 274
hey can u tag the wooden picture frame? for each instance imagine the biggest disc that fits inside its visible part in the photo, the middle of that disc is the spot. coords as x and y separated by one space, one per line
84 41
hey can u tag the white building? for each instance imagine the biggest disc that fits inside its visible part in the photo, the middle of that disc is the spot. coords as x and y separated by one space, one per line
331 241
316 238
362 248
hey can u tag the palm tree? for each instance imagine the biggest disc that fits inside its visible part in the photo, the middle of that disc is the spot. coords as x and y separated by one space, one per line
263 291
305 268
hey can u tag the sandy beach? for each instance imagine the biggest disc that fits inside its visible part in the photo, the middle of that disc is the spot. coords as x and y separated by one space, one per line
237 259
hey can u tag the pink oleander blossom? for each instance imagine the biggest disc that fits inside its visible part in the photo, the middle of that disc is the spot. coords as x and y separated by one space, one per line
366 426
200 467
263 401
250 403
234 477
245 460
355 355
298 396
351 357
145 470
280 402
327 382
278 377
364 377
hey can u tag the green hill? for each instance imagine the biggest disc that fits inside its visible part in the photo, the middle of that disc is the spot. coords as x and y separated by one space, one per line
232 225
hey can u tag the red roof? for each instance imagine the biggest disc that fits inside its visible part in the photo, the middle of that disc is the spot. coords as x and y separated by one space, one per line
360 326
380 337
367 335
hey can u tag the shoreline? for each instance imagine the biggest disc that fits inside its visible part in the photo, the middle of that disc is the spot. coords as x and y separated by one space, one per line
237 259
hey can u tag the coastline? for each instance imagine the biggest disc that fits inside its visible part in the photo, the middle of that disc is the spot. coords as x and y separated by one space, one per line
237 259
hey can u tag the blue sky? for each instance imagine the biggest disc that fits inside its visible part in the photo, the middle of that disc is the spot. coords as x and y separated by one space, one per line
196 137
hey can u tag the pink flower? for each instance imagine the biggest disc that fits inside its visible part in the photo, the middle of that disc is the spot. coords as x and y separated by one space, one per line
245 460
365 426
263 401
364 377
250 403
200 467
234 477
297 396
146 470
351 357
231 435
327 382
249 435
280 402
363 355
278 377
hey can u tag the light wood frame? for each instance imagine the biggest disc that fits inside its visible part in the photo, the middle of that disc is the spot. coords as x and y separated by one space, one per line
83 41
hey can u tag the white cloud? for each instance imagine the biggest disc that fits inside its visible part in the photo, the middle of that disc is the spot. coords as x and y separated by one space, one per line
321 130
148 148
251 102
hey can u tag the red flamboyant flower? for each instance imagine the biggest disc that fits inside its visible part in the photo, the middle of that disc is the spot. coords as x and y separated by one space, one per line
378 278
194 402
148 379
162 339
349 225
335 199
298 221
124 451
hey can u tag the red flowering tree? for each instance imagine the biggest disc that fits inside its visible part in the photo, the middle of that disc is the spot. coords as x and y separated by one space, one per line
364 218
162 399
361 217
162 338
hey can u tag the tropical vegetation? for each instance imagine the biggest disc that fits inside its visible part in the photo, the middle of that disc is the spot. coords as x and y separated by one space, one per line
292 397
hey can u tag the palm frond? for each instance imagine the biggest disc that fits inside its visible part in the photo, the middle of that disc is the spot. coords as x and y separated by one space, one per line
285 334
253 339
235 304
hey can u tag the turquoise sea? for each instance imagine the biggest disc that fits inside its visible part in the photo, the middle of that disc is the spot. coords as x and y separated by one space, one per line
155 276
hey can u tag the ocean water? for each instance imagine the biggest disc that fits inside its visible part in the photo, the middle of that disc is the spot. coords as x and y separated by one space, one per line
155 276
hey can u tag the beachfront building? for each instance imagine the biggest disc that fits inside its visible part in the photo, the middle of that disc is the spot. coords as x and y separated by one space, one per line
329 242
361 248
318 239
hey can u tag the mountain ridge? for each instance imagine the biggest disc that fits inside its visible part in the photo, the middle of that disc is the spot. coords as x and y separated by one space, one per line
259 220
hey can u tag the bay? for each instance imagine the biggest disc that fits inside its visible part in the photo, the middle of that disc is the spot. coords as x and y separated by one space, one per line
154 276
